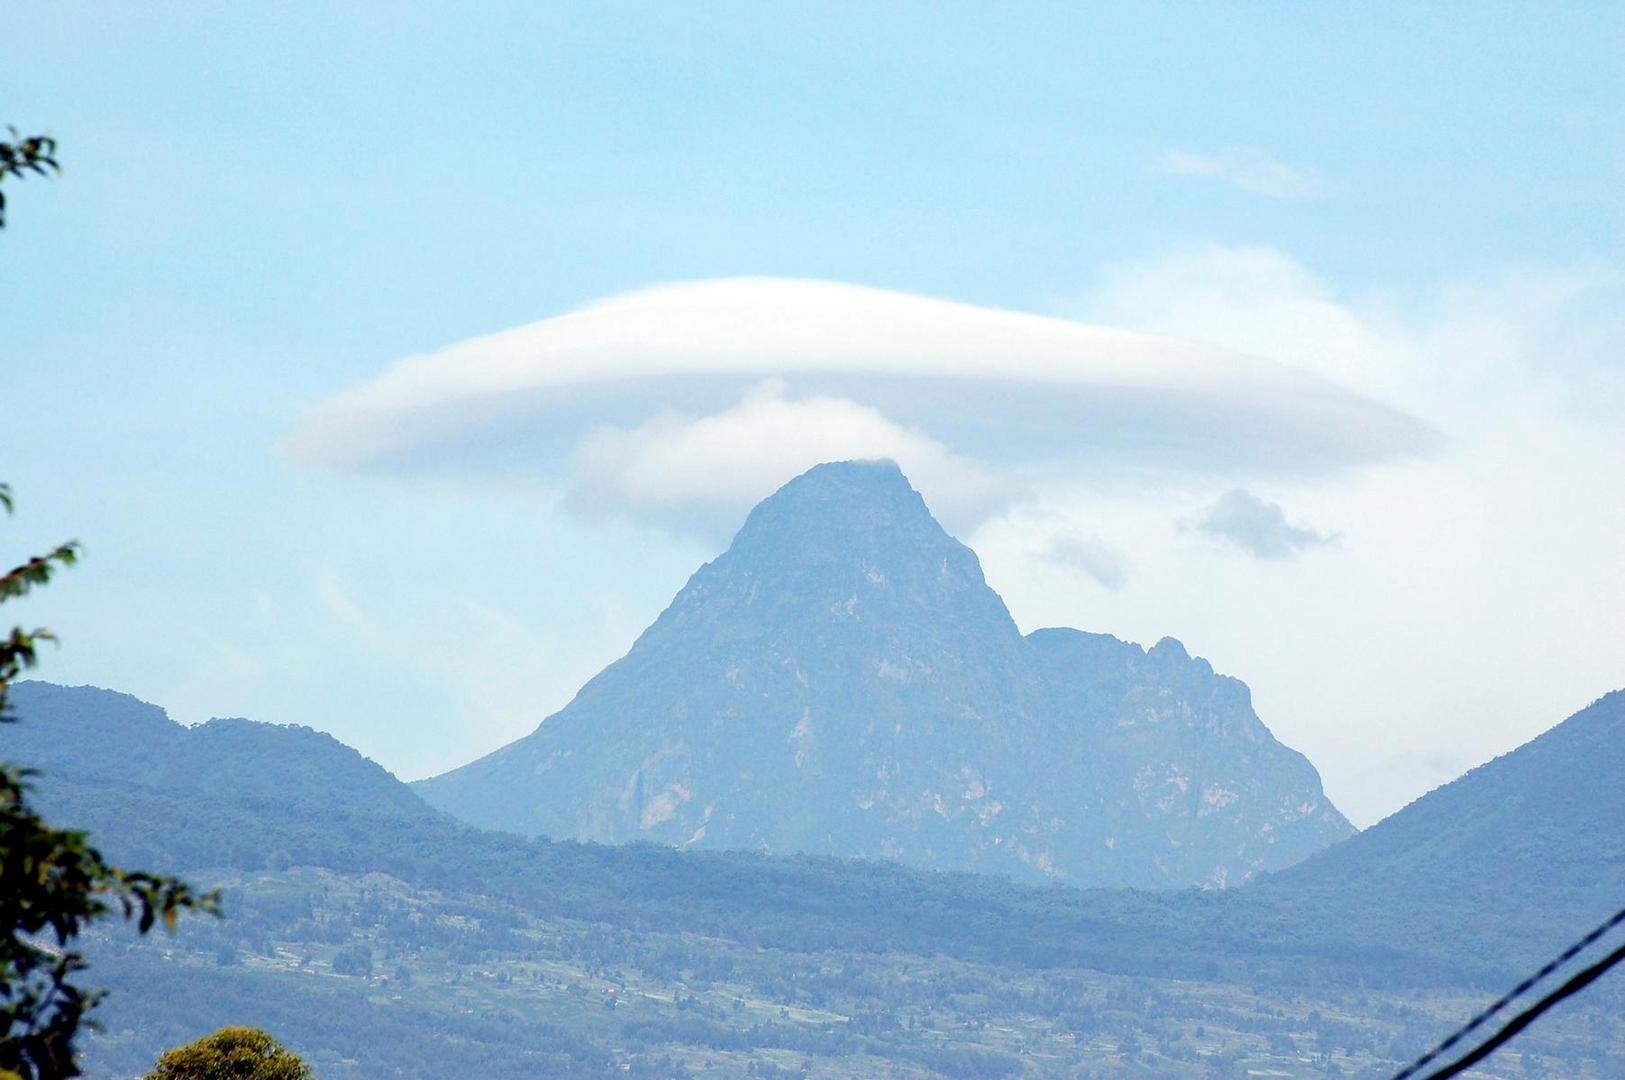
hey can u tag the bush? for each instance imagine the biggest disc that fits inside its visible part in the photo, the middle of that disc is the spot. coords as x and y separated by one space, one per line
232 1053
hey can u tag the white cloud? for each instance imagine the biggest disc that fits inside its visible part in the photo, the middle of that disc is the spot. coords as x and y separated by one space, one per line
705 473
1476 597
1460 346
1246 170
604 386
1256 526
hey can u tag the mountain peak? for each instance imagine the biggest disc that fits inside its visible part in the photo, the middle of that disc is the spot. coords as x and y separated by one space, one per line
842 680
849 533
873 473
1170 647
844 497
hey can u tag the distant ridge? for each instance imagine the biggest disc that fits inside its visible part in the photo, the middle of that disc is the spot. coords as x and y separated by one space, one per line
1534 839
270 809
843 681
126 740
1512 859
120 766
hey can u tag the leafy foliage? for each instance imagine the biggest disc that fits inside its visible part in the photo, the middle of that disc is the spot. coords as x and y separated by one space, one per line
24 155
232 1053
19 650
53 883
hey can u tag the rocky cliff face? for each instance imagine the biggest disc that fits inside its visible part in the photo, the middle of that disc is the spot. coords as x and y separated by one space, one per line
1171 767
843 681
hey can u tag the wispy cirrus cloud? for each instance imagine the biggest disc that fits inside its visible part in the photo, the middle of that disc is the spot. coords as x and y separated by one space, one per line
1246 170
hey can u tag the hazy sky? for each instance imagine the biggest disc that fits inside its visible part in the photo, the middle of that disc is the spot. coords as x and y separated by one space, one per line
294 346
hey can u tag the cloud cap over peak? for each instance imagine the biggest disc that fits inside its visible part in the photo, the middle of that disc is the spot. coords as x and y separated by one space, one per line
798 371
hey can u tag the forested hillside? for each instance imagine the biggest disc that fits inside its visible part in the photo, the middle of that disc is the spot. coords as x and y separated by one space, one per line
1506 855
385 939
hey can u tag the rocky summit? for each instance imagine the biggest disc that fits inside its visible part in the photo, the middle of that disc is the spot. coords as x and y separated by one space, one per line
843 681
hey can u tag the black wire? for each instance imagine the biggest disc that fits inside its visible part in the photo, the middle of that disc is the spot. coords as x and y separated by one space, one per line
1579 982
1511 995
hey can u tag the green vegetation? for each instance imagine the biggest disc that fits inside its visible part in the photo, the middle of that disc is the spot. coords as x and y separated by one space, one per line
380 938
232 1053
258 797
1524 846
54 884
462 982
384 939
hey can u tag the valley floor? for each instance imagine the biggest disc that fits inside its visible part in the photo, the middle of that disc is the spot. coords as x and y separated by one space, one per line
371 977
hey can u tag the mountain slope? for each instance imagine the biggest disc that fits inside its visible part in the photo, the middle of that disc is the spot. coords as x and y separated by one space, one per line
226 793
842 680
1170 758
1530 842
1515 858
326 853
159 796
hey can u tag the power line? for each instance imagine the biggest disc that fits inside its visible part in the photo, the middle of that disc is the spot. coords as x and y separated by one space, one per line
1579 982
1516 992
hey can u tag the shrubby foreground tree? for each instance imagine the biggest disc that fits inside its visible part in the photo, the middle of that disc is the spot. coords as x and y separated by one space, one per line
232 1053
53 883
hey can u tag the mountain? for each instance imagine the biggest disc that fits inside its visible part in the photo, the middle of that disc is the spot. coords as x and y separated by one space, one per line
96 735
1516 856
1171 760
223 793
535 957
1521 849
843 681
158 795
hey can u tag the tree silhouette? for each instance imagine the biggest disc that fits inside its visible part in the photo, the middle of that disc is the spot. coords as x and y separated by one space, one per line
53 883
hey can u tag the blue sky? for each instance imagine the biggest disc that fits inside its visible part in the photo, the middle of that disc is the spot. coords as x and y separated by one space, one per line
264 208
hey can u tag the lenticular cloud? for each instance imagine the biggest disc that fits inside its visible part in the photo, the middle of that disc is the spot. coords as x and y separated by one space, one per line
682 367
